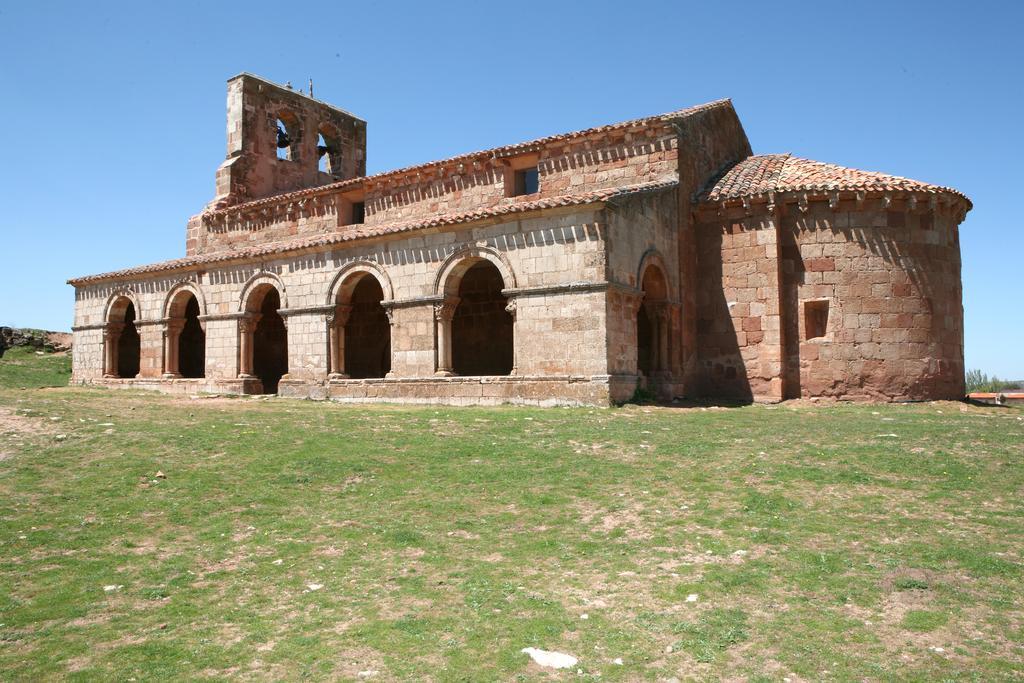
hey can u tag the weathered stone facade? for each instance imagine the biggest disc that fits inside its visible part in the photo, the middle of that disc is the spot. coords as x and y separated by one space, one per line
656 253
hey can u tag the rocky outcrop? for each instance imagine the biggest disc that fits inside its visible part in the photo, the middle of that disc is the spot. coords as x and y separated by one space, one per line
41 340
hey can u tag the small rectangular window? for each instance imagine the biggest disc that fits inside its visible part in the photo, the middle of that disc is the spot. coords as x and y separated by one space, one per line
358 212
527 181
815 319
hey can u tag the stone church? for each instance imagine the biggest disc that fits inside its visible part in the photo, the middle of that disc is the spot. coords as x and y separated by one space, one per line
657 254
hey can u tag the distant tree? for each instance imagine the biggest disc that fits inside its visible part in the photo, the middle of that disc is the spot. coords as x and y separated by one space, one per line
977 380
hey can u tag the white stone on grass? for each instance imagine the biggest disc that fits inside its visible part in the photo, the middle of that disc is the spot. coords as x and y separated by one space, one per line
554 660
692 597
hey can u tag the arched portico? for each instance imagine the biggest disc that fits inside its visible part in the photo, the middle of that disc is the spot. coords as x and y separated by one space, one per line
263 333
359 327
474 320
184 333
121 342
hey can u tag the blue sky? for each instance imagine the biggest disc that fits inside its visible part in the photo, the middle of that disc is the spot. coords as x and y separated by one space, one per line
115 111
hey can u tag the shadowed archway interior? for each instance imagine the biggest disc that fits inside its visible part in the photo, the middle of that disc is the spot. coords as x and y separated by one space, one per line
482 329
367 332
643 342
270 342
192 342
651 351
128 345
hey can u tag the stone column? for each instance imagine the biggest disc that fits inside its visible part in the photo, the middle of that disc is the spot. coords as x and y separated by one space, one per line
390 313
111 336
511 308
246 327
172 333
443 314
336 321
289 344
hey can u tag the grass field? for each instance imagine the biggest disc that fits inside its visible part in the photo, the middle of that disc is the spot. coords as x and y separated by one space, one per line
294 539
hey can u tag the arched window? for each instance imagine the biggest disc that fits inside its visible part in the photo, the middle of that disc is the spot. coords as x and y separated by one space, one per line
286 136
328 150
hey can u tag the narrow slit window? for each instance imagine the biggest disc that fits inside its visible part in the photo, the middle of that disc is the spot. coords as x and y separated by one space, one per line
527 181
815 319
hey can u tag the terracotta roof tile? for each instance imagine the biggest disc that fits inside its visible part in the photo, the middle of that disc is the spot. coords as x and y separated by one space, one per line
762 173
351 234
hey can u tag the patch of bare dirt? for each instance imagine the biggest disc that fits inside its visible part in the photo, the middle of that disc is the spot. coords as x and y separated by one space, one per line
463 534
16 429
628 518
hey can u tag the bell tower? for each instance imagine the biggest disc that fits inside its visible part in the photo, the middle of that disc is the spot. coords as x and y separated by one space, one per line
280 140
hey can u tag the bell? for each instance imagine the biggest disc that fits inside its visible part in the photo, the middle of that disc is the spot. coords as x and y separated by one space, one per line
282 138
320 151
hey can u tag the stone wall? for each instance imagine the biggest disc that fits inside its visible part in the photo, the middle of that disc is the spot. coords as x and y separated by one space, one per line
643 233
552 265
883 273
602 160
738 322
891 277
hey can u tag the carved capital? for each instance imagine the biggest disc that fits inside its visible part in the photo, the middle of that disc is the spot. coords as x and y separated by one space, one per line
172 325
634 302
445 310
510 308
113 330
248 324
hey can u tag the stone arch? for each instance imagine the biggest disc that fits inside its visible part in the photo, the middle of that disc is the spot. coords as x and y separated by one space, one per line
475 319
652 258
652 318
247 303
287 134
343 282
263 332
449 275
359 326
175 299
118 302
184 332
121 341
329 154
